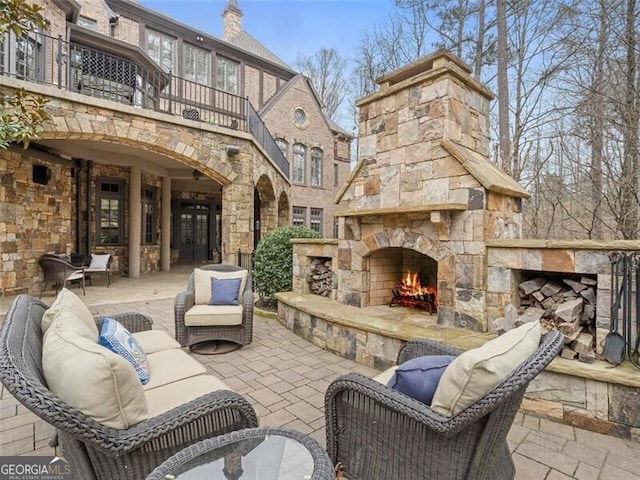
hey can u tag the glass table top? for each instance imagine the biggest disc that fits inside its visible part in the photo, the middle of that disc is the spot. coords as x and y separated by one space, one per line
261 457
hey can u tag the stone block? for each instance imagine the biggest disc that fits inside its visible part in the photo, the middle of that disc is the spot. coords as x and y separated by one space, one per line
598 399
620 407
558 260
499 280
504 257
544 408
592 261
408 133
532 259
558 387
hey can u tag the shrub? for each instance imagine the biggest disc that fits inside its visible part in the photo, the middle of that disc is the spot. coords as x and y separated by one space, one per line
273 262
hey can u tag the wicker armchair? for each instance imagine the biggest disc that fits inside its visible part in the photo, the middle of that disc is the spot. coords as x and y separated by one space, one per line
59 271
379 433
190 335
92 450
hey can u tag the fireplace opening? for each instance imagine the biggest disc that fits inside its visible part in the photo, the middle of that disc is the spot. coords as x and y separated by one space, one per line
403 277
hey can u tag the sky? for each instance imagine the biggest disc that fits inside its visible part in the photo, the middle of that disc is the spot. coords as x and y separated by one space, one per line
287 27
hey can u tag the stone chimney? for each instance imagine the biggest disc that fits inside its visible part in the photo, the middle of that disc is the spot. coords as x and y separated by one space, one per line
231 20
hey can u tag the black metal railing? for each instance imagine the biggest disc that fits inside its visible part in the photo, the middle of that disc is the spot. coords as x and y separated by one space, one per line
41 58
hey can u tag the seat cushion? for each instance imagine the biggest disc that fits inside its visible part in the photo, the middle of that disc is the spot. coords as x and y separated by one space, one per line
475 372
170 366
153 341
73 313
166 397
384 377
119 340
419 377
208 315
202 283
91 378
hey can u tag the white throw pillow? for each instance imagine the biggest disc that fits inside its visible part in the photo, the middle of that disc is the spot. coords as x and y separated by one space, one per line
202 283
99 261
475 372
93 379
69 308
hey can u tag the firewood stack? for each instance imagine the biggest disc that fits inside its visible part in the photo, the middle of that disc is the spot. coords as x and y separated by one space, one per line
320 278
566 305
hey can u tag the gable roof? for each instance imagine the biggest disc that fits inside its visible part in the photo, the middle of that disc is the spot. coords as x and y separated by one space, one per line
248 43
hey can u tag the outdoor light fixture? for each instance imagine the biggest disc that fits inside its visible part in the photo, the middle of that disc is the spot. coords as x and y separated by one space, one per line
232 149
199 38
196 174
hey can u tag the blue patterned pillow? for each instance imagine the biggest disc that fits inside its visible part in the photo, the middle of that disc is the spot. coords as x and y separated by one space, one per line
224 291
119 340
419 377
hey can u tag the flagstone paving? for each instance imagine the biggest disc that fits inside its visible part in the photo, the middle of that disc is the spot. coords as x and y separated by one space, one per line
285 377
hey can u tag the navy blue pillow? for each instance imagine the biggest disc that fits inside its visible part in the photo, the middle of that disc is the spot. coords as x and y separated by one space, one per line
419 377
224 291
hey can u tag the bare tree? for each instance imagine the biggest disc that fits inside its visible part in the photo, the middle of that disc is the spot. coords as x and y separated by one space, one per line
327 71
503 87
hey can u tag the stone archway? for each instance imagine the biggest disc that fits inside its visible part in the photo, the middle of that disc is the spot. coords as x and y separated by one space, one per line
265 208
284 210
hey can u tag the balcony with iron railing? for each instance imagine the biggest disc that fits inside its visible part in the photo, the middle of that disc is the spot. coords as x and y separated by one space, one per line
74 67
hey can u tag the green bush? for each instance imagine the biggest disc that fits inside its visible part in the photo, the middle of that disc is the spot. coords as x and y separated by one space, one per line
273 262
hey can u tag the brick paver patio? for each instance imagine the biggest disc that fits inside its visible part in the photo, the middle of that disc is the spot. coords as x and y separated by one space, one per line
285 378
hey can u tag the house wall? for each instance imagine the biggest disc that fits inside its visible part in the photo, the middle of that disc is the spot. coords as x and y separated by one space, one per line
314 133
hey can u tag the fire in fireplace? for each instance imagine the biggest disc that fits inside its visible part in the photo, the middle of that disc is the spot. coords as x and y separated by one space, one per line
410 293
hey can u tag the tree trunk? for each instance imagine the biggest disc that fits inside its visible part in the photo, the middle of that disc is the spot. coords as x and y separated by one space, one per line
503 87
477 67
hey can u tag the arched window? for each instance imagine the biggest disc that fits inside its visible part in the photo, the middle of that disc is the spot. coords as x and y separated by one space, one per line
283 146
299 158
316 167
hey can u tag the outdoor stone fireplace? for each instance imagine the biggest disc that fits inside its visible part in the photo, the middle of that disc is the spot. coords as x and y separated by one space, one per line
424 195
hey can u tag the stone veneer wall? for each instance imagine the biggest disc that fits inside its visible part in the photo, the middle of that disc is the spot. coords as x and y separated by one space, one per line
305 251
34 219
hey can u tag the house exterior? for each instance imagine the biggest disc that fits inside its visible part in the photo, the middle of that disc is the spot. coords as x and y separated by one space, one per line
165 144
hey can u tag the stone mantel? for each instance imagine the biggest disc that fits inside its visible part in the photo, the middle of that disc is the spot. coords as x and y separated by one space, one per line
433 207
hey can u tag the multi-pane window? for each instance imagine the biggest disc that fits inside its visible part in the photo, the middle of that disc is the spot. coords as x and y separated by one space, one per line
316 167
299 218
315 220
87 23
283 146
299 154
23 56
336 175
110 212
161 48
196 64
227 75
148 215
336 227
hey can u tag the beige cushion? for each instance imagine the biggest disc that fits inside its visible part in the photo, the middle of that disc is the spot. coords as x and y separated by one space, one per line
162 399
202 283
221 315
384 377
93 379
153 341
73 312
475 372
169 366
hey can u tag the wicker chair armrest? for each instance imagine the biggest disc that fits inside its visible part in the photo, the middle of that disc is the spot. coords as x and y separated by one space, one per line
210 415
423 347
247 301
184 301
391 400
132 321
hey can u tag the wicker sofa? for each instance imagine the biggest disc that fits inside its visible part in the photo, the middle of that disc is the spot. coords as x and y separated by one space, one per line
179 411
376 432
196 321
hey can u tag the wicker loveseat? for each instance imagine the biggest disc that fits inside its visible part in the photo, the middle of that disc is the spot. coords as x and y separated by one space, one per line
93 450
379 433
196 321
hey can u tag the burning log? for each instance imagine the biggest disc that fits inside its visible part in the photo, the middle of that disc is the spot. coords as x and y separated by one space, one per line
410 293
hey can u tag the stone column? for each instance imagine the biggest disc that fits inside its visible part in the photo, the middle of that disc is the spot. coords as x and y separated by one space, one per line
135 214
165 226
